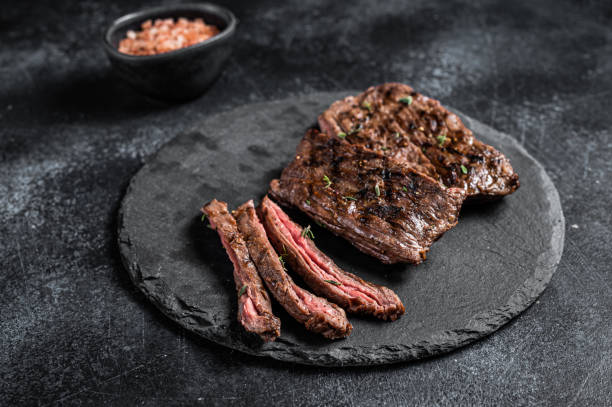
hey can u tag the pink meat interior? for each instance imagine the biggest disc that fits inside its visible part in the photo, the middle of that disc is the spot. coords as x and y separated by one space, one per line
249 313
311 301
294 233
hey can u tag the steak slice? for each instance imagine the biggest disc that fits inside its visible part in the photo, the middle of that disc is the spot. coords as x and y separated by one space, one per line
321 274
380 205
403 124
316 313
254 307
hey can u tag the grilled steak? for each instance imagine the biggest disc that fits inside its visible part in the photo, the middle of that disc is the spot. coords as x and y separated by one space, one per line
380 205
254 308
316 313
405 125
321 274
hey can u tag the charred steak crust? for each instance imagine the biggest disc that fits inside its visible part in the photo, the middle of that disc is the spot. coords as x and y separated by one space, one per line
316 313
321 274
254 307
394 119
380 205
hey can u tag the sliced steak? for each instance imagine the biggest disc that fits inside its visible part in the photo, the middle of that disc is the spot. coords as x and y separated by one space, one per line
380 205
403 124
316 313
254 308
321 274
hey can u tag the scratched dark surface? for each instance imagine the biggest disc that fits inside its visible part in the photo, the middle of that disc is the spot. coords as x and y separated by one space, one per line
75 331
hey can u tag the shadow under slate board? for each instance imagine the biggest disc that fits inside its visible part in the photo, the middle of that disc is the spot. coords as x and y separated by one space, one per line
479 275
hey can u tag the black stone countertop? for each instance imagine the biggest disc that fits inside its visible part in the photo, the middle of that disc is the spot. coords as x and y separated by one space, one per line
73 328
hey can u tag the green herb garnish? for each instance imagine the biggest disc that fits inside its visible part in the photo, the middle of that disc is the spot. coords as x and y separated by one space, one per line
407 100
332 282
327 180
308 202
397 136
404 189
350 198
463 169
377 190
341 134
282 260
368 106
441 139
306 232
203 218
384 148
242 290
355 129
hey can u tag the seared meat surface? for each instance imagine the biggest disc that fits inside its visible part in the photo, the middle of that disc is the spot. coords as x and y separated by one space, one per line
383 207
316 313
254 308
321 274
400 123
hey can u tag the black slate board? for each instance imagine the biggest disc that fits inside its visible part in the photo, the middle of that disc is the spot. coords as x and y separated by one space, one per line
478 276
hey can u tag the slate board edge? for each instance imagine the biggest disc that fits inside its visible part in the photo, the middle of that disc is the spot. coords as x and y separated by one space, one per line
479 326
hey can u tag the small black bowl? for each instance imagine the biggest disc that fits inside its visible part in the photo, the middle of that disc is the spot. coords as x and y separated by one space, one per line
176 75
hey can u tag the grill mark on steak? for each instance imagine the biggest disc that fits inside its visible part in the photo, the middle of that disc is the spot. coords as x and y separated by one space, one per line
316 313
321 274
425 136
396 213
254 307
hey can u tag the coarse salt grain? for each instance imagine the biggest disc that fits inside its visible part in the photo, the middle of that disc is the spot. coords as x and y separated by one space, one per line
166 35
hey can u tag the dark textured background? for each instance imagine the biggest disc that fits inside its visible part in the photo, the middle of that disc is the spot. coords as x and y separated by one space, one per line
74 330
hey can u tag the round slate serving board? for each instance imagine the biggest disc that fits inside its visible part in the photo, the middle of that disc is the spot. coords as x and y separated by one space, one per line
479 275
